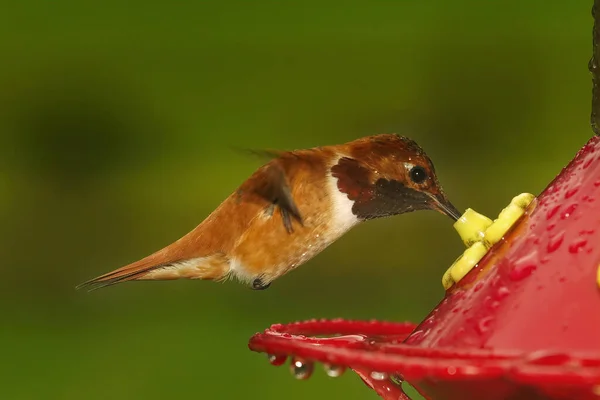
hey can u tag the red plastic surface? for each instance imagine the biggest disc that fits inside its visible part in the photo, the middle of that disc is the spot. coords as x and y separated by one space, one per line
523 324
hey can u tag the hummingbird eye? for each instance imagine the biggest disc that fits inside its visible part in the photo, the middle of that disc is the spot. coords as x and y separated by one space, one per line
418 174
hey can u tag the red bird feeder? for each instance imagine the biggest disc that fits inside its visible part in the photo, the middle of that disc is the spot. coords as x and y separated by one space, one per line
523 324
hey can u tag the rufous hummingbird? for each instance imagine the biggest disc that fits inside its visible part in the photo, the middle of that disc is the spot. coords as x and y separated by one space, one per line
292 208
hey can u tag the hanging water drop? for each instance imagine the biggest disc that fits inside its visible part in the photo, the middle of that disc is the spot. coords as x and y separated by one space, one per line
334 371
276 360
301 369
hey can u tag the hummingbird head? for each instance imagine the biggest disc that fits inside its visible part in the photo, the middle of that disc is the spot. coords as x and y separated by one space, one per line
388 175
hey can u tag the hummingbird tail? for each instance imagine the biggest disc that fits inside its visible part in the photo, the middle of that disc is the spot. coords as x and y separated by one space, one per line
213 267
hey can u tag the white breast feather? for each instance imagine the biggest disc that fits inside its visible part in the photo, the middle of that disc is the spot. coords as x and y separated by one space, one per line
342 216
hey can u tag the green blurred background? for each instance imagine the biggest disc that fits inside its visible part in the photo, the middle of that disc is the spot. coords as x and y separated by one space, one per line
117 127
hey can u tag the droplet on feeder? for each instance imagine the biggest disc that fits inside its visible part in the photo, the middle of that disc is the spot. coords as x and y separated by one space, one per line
277 360
334 371
379 376
301 369
396 380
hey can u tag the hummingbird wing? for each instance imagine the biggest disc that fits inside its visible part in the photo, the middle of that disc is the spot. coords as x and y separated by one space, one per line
266 154
272 185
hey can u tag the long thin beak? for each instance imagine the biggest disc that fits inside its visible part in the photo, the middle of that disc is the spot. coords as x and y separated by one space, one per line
443 205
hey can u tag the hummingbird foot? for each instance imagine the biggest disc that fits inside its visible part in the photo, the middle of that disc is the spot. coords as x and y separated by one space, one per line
258 284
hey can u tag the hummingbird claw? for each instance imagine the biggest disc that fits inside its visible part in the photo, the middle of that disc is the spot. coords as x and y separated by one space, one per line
258 284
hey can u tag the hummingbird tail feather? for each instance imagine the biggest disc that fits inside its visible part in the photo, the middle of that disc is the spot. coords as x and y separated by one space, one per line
214 267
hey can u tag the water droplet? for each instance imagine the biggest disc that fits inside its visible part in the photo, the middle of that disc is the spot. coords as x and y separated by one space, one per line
396 379
334 370
555 241
301 369
379 376
597 183
577 245
571 192
484 324
552 212
524 266
276 360
568 211
502 292
520 273
548 358
487 301
415 336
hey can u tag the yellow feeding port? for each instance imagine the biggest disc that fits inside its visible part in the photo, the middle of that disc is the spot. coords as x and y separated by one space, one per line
479 233
507 218
471 226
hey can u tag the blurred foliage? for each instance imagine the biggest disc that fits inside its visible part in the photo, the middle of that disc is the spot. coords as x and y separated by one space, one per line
118 122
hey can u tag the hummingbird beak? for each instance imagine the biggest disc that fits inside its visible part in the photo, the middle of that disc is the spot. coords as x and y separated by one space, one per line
443 205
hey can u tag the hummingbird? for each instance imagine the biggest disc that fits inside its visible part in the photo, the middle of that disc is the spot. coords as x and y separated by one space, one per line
292 208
